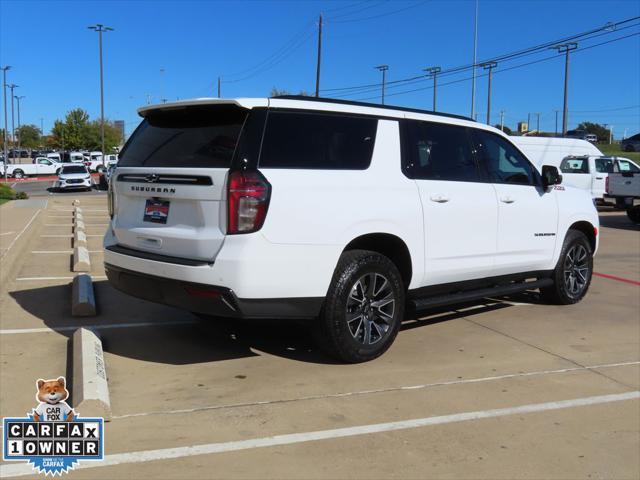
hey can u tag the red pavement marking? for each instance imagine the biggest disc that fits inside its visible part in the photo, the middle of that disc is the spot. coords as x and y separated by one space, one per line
619 279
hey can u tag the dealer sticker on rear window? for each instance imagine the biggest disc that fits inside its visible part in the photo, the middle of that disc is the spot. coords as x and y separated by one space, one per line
156 211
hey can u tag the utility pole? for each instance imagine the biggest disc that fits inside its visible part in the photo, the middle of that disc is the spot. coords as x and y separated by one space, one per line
433 71
218 87
18 98
502 120
383 69
556 121
528 121
319 56
475 59
489 66
538 122
6 125
13 126
565 48
100 29
610 134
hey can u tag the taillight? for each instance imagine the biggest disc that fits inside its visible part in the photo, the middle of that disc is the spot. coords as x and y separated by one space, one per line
606 184
111 201
248 199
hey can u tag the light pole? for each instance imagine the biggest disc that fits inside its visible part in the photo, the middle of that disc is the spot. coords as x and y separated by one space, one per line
556 121
489 66
6 126
565 48
537 122
433 71
18 98
319 56
13 125
475 59
502 120
383 69
162 99
101 29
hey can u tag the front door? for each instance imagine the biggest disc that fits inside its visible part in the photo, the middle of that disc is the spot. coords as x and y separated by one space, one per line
527 213
460 211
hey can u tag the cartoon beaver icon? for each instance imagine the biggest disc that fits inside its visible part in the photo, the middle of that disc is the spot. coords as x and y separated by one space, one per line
52 407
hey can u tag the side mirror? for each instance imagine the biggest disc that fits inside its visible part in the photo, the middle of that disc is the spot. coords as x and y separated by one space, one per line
550 176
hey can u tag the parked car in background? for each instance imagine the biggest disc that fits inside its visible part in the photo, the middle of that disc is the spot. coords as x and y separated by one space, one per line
552 150
625 187
590 173
55 156
591 137
40 166
631 144
76 157
105 177
73 177
338 212
97 165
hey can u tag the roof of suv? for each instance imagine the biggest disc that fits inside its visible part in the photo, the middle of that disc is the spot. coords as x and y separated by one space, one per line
300 101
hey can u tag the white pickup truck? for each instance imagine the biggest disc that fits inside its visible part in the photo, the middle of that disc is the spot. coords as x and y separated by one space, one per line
624 187
94 164
590 173
40 166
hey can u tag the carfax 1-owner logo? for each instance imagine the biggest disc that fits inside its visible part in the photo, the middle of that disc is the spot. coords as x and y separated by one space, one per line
53 437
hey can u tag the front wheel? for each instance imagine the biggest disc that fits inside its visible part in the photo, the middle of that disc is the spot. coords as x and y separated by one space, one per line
572 275
18 174
363 309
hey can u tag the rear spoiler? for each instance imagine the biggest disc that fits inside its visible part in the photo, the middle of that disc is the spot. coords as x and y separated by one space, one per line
240 102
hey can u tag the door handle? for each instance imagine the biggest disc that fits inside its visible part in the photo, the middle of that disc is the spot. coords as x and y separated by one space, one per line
507 199
439 198
599 178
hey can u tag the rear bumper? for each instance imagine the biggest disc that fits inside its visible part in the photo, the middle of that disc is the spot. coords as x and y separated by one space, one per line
208 299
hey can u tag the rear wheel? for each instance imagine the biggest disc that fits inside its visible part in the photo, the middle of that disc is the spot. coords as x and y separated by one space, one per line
634 213
572 275
363 309
18 173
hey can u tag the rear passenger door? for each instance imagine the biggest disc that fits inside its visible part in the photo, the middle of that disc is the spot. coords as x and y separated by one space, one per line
527 214
460 212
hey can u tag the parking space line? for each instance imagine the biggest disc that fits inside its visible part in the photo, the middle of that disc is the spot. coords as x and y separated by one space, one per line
6 233
61 251
33 279
302 437
619 279
20 234
71 224
380 390
20 331
68 236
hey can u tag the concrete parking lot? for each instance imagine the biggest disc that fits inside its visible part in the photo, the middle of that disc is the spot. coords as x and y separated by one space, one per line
502 388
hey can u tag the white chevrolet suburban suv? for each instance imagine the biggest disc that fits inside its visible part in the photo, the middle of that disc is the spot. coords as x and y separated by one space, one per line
345 213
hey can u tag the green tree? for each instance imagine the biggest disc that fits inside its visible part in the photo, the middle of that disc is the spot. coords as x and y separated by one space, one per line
29 136
77 132
600 130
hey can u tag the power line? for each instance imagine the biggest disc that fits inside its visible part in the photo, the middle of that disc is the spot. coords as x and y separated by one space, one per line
609 27
386 14
503 69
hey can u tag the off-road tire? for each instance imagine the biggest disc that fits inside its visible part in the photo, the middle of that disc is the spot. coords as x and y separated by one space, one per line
350 341
560 293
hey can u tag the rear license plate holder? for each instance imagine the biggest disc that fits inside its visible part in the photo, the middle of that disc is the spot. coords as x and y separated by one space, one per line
156 211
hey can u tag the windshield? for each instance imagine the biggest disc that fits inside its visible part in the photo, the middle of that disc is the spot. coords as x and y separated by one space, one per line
196 136
76 169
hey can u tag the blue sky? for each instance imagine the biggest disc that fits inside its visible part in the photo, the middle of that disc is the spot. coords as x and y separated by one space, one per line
54 57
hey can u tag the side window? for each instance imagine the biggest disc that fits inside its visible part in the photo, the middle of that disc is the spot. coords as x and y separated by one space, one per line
44 162
626 166
575 165
436 151
317 141
604 165
502 162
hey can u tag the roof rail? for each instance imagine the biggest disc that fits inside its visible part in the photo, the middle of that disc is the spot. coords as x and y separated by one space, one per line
372 105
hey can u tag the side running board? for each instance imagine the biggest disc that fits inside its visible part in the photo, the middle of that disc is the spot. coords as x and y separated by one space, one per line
470 295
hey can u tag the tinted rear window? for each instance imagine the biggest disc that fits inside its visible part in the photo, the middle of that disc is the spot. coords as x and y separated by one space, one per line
318 141
200 136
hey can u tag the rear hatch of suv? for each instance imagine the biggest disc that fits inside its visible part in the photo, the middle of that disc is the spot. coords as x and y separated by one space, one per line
169 187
